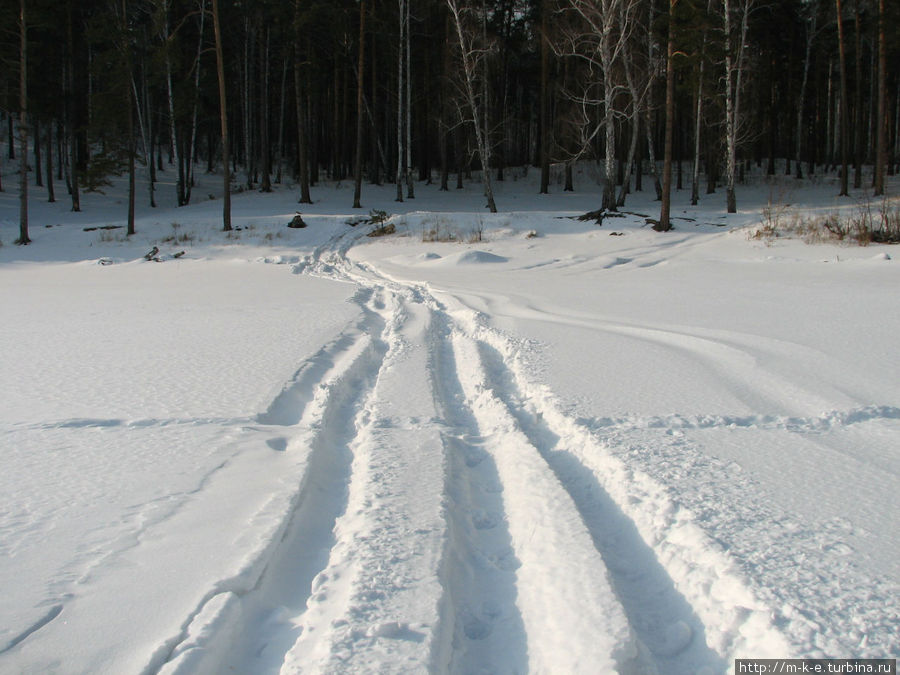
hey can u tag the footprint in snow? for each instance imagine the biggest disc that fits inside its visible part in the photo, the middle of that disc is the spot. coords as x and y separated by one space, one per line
277 444
483 520
674 639
474 628
474 457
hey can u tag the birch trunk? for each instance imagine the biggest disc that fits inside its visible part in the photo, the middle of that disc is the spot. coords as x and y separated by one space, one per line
468 63
179 183
189 171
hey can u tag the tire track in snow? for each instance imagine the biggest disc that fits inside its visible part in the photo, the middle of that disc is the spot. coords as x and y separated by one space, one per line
764 373
572 617
483 628
672 634
566 614
378 599
734 620
250 618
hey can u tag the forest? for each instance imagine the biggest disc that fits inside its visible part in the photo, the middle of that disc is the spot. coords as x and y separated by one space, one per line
661 94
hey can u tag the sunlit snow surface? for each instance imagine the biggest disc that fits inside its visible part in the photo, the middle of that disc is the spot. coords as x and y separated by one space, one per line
543 448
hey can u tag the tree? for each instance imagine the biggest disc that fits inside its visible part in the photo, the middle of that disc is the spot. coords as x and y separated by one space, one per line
302 158
843 105
881 114
403 6
357 169
801 99
71 109
125 45
470 56
23 128
597 37
735 53
545 97
664 225
698 113
223 116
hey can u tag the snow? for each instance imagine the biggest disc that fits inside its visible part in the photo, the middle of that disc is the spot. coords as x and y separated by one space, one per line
487 443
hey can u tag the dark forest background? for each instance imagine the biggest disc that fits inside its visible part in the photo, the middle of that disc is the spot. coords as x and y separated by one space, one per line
405 91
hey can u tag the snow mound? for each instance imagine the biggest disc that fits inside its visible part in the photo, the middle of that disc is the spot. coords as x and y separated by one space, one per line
474 257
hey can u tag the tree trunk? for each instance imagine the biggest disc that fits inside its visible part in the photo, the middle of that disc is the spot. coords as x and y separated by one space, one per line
881 115
410 189
664 224
179 183
695 172
810 35
402 14
843 104
70 116
857 106
279 155
651 153
129 106
545 98
23 129
734 56
360 80
146 131
38 169
265 149
51 197
301 125
11 135
467 52
192 148
223 117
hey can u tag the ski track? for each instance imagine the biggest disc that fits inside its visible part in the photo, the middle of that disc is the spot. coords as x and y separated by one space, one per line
450 517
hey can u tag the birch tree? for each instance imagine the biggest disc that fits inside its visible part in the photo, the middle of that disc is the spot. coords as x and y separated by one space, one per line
470 56
597 37
735 17
170 97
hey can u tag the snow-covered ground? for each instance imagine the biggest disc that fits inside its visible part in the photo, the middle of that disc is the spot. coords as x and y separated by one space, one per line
536 447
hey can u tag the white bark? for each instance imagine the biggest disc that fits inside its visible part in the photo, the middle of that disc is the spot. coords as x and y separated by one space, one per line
179 186
468 54
600 43
735 51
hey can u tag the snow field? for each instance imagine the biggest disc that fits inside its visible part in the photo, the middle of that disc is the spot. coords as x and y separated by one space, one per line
564 453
